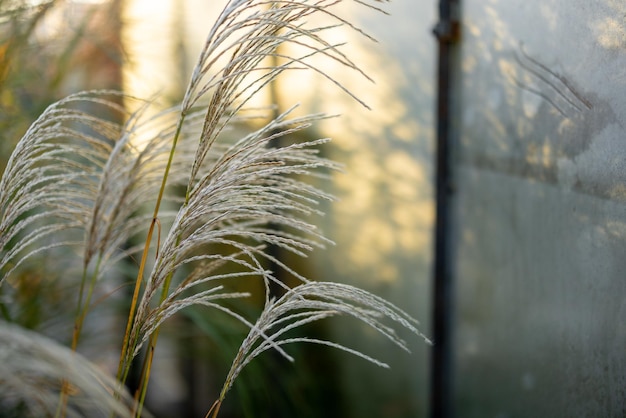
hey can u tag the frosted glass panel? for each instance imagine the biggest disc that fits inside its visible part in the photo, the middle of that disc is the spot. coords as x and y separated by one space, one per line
540 210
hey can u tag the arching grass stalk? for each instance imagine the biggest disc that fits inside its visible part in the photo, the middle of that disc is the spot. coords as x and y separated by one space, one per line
75 171
123 366
142 390
215 408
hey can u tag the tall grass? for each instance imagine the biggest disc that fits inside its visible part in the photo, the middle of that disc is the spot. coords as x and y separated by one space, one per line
90 177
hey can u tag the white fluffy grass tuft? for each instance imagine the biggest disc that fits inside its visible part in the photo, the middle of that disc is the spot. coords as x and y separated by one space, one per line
33 369
88 172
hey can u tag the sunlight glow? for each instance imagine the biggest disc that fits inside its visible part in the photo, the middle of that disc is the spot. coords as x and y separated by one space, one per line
147 39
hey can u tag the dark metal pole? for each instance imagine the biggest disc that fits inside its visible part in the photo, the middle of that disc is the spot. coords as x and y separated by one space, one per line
447 32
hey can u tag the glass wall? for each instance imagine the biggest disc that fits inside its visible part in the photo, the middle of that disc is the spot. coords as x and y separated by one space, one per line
540 208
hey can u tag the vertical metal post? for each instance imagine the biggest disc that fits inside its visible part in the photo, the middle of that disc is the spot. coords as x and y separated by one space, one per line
447 32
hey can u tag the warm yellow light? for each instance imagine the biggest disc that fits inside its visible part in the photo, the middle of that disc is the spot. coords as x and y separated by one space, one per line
147 39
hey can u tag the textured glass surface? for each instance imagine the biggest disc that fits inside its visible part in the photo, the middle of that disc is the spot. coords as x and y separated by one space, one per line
540 210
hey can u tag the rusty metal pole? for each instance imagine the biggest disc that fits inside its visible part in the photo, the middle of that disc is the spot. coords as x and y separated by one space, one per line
447 31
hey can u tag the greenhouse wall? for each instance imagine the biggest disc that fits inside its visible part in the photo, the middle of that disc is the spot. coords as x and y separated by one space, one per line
538 204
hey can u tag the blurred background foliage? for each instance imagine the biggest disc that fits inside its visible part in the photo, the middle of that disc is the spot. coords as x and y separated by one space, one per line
381 222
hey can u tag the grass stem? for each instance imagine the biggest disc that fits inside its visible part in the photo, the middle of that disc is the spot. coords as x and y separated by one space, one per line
125 360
